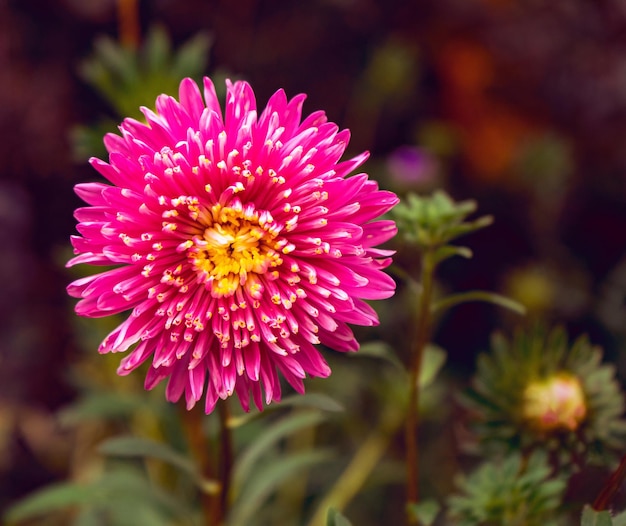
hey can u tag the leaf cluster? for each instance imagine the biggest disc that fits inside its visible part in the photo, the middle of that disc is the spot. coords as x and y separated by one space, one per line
128 78
129 491
512 492
432 222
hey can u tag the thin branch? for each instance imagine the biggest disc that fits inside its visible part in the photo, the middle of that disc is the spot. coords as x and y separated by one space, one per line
612 486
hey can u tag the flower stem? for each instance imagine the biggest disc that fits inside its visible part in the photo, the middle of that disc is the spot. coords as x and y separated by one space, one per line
420 340
611 487
226 458
128 22
197 440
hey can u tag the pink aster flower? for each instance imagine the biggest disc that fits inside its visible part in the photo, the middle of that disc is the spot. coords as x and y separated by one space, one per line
239 240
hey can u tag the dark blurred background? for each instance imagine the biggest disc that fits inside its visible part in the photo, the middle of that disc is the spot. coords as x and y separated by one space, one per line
519 104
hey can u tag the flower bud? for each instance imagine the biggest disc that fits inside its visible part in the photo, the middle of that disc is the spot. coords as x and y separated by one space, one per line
557 402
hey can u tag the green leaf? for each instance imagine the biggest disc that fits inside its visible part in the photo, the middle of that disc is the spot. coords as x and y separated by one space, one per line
448 251
87 140
267 479
118 61
128 494
102 405
191 58
125 496
336 518
424 512
433 360
592 517
619 519
130 446
320 401
382 350
508 488
157 50
50 499
289 424
477 295
433 221
128 78
89 517
308 400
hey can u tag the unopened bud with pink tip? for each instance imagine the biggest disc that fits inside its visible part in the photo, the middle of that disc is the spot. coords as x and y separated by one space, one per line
557 402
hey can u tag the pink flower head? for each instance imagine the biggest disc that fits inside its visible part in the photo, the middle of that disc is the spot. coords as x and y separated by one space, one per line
239 240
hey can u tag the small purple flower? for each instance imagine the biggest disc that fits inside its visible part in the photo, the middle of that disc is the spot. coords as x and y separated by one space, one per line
240 244
409 165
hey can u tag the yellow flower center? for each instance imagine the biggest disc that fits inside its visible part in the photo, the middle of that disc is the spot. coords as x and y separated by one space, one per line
555 403
235 245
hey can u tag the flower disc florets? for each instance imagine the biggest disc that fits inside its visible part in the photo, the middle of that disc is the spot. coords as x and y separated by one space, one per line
240 244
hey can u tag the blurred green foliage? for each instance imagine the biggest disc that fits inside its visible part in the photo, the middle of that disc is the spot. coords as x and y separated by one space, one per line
503 376
515 491
128 78
590 517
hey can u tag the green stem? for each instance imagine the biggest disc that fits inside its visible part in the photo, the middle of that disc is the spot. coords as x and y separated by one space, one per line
196 438
226 461
421 338
364 461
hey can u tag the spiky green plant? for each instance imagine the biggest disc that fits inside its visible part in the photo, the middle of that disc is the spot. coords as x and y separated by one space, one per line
510 492
538 391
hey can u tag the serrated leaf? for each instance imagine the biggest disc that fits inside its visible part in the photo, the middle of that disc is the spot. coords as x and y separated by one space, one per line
424 512
289 424
336 518
267 479
130 446
50 499
592 517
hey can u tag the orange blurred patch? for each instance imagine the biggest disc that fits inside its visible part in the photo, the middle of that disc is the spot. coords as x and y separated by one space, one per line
490 131
465 66
491 144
